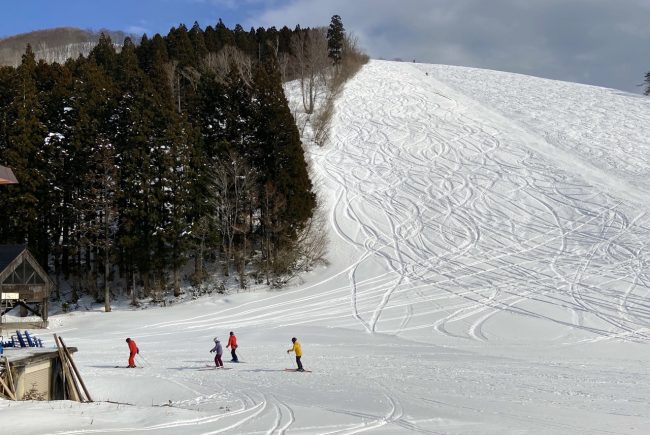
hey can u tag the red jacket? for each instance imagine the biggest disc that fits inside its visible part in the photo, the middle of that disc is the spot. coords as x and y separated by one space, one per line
133 348
232 342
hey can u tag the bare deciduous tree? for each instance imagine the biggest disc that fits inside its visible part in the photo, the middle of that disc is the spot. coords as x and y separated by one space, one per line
307 250
228 58
311 64
233 185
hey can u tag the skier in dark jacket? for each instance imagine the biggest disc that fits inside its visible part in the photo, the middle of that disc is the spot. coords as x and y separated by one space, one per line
133 351
219 351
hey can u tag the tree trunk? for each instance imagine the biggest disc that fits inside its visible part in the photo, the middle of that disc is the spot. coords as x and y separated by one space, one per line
134 298
146 283
198 261
177 282
107 293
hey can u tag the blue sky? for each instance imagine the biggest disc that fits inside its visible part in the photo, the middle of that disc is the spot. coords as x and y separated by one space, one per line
137 16
598 42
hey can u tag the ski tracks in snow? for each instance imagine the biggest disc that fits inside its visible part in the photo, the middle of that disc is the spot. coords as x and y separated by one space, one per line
455 225
465 221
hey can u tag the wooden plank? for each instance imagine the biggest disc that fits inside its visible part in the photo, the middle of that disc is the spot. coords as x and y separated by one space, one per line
10 378
67 377
11 395
81 381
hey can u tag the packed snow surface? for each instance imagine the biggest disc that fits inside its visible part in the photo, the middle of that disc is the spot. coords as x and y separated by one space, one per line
489 274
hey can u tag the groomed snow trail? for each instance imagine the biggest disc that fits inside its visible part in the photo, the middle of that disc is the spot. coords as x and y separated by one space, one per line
489 274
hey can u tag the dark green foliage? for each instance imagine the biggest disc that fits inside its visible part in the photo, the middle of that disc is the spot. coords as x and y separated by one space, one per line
24 134
179 46
647 84
335 39
118 157
278 154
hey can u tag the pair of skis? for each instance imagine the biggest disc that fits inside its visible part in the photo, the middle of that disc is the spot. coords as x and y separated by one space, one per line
229 368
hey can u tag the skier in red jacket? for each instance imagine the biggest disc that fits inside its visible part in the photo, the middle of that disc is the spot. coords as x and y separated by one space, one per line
133 350
232 344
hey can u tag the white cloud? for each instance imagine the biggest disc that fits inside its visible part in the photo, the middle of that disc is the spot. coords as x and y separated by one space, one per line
586 40
138 30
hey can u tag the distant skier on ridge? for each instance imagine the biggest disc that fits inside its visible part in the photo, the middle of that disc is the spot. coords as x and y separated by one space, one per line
232 344
298 350
133 351
219 351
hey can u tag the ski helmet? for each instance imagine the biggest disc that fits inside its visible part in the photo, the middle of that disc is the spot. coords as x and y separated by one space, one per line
216 339
128 339
294 339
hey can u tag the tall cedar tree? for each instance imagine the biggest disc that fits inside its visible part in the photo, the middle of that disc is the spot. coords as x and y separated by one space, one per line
92 107
61 162
278 153
25 133
335 39
140 122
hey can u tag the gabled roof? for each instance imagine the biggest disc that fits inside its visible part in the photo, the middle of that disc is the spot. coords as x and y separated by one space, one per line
8 253
7 176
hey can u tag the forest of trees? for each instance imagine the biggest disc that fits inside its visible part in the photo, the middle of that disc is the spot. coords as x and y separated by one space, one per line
178 151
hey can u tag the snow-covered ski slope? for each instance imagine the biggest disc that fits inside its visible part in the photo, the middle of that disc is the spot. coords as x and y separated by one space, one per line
489 275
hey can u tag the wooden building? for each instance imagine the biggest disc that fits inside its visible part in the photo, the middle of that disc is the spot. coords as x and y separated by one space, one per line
37 373
24 283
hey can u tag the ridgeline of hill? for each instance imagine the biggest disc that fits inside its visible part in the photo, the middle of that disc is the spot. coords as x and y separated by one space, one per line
54 45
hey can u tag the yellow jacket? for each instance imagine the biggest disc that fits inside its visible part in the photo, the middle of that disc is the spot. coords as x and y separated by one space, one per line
296 348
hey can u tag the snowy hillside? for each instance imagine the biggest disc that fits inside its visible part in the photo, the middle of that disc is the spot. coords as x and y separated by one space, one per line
489 274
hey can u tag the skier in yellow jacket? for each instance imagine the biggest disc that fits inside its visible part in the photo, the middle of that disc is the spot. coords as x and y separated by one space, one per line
298 350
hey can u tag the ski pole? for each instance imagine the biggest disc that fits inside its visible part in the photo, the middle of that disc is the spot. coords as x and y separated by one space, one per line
290 360
145 360
140 360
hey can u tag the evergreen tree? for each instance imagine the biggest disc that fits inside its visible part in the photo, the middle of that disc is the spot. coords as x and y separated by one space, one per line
245 41
22 152
335 39
179 46
284 42
99 224
93 104
178 190
61 163
140 119
144 52
198 43
647 83
278 153
103 54
224 36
